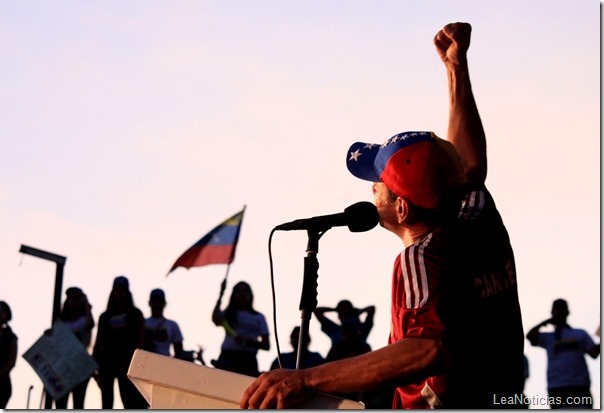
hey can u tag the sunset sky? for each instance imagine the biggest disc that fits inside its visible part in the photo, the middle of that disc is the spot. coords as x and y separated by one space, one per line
132 128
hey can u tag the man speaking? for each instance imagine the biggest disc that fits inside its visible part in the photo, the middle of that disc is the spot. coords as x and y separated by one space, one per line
456 339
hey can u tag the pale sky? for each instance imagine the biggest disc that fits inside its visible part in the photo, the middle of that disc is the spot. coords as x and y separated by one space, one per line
132 128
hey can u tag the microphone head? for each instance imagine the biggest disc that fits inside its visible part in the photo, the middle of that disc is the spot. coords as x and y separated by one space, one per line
361 216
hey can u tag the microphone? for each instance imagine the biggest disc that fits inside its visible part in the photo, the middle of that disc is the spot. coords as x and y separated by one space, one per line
359 217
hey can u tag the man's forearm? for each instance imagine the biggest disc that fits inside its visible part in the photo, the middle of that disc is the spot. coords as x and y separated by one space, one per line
406 361
465 130
533 335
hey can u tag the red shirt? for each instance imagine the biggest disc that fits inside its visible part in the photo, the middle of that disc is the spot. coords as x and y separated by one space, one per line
458 285
416 302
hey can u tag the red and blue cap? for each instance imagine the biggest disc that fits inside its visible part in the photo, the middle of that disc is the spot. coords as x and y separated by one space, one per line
417 166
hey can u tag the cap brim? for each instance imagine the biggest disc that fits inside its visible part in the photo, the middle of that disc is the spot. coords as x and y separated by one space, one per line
360 160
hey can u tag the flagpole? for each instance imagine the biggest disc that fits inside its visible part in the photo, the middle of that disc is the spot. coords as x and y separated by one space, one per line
227 273
225 323
223 283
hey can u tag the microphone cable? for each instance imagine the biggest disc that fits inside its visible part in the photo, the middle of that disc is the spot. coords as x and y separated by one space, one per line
270 259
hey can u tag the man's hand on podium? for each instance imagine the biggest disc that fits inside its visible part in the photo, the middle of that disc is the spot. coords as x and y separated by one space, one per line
275 389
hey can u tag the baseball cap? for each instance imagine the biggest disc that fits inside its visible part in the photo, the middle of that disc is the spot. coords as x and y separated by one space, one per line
417 166
157 294
121 281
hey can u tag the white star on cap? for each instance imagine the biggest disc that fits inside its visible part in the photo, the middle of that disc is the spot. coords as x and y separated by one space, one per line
370 145
354 156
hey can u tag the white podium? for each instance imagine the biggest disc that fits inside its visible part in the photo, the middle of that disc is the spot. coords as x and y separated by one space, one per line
168 383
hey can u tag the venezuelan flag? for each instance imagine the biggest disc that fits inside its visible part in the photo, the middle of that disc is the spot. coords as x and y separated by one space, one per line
216 247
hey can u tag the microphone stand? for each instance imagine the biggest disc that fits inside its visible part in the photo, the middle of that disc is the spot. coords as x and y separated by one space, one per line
308 300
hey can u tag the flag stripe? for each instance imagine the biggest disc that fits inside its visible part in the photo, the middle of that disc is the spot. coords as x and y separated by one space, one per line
219 236
209 254
216 247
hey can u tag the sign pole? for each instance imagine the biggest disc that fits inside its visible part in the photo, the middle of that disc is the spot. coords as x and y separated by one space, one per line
56 307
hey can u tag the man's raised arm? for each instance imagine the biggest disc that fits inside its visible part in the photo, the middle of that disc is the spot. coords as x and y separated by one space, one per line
465 127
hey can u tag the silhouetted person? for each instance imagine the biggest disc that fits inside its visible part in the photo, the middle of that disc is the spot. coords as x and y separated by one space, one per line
121 330
246 331
567 373
160 332
77 317
353 344
8 353
346 312
350 345
289 360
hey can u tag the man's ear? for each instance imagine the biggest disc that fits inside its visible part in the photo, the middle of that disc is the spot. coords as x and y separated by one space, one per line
402 210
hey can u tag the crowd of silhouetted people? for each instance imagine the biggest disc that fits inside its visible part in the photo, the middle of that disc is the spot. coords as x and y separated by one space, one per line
122 328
